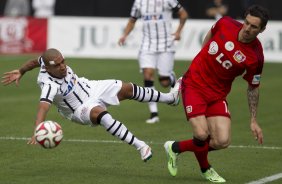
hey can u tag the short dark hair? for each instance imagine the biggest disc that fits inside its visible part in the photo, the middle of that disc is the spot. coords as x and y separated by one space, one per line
50 55
260 12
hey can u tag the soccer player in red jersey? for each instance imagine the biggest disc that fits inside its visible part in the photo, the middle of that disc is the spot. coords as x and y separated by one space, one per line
229 49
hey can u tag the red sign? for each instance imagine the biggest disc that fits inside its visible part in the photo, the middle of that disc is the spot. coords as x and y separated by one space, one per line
22 35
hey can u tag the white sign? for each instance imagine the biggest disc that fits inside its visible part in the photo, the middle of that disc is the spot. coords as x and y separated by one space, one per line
98 37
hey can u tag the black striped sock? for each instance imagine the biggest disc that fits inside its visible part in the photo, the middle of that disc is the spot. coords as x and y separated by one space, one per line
117 129
145 94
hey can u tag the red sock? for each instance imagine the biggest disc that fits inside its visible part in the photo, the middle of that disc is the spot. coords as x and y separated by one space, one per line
202 157
201 152
189 145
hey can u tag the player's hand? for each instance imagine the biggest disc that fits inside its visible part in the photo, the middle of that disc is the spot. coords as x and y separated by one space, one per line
32 140
257 131
121 41
176 36
10 77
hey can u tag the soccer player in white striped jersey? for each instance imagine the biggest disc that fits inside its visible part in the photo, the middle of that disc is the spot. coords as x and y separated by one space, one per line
85 101
157 48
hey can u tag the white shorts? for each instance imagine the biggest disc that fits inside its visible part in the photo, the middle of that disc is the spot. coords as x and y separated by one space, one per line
162 61
104 93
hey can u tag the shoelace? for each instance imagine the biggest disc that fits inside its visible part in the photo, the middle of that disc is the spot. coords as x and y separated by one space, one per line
214 174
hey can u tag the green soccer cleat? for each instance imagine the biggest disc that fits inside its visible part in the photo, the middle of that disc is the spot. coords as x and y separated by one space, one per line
212 176
172 158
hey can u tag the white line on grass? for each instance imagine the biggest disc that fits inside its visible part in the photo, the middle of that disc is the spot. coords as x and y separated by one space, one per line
267 179
150 142
261 181
256 147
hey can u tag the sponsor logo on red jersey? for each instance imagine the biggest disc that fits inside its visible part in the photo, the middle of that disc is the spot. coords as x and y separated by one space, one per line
239 56
229 46
213 48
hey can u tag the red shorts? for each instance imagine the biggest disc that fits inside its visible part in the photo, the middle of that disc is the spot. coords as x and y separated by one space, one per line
197 103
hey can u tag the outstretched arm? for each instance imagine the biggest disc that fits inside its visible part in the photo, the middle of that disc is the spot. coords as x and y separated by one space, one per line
183 15
253 99
15 75
43 109
129 27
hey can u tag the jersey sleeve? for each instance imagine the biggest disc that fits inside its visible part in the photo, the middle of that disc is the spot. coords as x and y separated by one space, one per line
40 61
175 5
254 70
217 25
253 75
135 10
48 92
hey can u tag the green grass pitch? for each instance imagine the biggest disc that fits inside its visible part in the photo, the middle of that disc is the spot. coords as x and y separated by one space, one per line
90 155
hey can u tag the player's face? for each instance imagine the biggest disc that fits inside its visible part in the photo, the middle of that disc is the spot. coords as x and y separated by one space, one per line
58 69
251 28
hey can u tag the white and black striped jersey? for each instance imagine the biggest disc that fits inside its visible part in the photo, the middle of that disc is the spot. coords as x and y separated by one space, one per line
66 94
157 27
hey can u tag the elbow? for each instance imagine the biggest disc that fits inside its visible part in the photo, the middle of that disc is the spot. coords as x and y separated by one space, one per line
183 14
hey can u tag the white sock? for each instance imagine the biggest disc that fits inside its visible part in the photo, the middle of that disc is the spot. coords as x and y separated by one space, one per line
119 130
146 94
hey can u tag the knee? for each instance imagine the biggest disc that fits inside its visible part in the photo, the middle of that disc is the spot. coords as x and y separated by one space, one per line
201 135
126 91
164 81
220 143
96 114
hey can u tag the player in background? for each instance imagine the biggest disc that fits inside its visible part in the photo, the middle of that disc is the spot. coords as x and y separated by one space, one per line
85 101
157 48
230 49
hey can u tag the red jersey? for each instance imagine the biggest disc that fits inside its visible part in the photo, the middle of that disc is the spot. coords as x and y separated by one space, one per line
222 59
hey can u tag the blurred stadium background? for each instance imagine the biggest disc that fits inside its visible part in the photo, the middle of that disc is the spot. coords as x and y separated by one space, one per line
90 155
121 8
